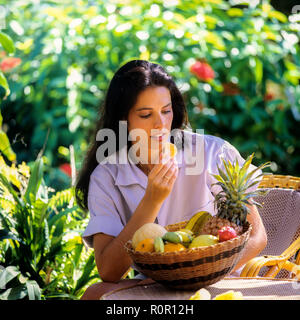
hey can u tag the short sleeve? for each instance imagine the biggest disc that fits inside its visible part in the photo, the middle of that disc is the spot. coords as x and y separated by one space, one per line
229 152
104 216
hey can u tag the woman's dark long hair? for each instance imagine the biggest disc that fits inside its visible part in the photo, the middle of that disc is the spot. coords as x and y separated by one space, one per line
127 83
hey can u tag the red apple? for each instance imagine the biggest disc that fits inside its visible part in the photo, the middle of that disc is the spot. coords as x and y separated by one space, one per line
226 233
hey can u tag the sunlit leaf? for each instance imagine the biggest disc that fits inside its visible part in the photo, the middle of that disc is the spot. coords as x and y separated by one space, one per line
278 15
7 43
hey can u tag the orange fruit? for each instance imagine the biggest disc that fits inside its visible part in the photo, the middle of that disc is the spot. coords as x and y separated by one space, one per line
146 245
170 149
169 246
148 230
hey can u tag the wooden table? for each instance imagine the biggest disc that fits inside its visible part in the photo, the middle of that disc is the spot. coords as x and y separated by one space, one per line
251 288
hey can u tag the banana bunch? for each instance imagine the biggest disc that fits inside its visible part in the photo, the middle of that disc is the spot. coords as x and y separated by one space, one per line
197 222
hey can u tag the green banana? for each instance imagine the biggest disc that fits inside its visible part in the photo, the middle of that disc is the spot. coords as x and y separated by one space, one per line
159 245
186 237
172 237
197 221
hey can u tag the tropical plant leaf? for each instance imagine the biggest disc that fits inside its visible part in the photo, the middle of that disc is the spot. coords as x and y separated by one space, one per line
61 198
8 274
7 43
6 234
5 146
88 268
15 293
7 221
61 296
3 83
39 210
56 217
11 190
78 250
34 180
33 290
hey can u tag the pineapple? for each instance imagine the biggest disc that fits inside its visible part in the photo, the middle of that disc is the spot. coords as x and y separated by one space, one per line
231 202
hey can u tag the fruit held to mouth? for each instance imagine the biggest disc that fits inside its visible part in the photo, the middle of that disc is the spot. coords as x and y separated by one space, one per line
169 149
226 233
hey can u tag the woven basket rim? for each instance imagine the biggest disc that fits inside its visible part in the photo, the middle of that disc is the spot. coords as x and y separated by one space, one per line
196 250
282 181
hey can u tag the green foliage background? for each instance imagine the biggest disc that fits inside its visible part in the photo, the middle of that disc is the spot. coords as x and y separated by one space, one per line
70 51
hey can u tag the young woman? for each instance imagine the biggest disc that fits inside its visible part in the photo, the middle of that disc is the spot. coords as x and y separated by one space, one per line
121 197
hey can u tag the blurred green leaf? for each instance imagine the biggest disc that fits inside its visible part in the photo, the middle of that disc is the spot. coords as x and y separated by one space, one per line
7 42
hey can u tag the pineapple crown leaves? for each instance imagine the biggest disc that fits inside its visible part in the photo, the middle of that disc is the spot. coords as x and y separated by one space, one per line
235 181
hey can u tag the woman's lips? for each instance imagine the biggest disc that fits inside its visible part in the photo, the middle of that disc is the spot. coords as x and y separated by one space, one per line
158 137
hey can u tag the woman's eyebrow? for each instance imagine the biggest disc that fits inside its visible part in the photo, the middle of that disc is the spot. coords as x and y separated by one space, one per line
149 108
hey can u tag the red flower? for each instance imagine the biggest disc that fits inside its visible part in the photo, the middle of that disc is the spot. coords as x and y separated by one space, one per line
9 63
202 70
66 168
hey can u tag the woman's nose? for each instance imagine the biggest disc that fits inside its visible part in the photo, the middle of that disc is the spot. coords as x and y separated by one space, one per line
158 122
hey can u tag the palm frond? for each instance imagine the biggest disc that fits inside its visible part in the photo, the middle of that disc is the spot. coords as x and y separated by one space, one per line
61 198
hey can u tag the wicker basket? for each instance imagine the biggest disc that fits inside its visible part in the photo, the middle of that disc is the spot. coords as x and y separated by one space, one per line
191 268
280 181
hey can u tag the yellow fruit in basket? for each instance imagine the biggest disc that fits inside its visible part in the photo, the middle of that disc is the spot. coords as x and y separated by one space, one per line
173 237
148 230
186 237
203 241
169 246
230 295
201 294
146 245
190 232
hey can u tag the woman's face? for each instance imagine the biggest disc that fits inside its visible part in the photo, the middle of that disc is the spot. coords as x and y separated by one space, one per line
154 114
